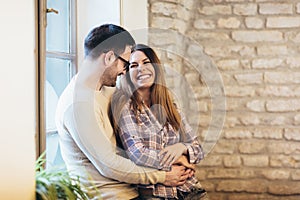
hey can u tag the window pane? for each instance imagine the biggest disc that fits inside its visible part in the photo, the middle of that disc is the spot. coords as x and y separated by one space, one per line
58 76
58 26
53 151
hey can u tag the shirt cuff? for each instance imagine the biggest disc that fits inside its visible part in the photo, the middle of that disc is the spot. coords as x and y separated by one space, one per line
191 155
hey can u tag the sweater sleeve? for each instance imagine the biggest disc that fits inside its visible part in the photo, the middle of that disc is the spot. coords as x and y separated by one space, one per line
97 147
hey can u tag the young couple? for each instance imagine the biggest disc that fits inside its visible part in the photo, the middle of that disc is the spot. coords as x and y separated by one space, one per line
146 124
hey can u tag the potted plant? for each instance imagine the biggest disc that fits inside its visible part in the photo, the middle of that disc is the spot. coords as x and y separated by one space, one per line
56 183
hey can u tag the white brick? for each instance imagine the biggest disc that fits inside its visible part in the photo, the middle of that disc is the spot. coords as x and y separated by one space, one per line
189 4
272 50
275 120
293 62
223 147
284 188
256 105
251 147
158 21
246 64
205 36
284 147
293 36
257 36
214 51
298 7
232 161
204 24
283 105
285 161
296 175
297 119
266 63
230 173
230 23
228 64
282 77
193 78
195 50
237 186
250 119
292 134
275 8
216 9
278 91
164 8
238 91
283 22
276 174
254 78
211 160
256 160
268 133
232 122
245 9
183 13
237 134
254 22
233 105
246 51
180 26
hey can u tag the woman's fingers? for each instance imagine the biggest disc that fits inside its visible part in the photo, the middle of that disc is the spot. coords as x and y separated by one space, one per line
165 158
162 152
169 159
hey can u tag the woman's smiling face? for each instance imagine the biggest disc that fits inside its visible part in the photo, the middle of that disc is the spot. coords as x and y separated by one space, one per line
141 70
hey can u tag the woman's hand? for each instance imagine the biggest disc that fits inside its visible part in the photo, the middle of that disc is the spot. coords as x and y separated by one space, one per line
172 153
183 160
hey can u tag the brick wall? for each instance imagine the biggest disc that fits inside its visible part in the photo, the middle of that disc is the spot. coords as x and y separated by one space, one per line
255 45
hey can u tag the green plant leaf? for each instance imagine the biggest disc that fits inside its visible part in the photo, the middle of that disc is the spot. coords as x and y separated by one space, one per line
55 183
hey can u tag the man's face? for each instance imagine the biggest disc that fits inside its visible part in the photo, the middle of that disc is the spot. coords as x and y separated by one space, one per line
117 68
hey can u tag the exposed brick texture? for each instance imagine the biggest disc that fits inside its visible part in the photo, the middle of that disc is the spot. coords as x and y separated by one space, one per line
255 47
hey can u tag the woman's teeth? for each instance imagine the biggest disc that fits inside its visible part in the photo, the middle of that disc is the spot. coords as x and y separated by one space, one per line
142 77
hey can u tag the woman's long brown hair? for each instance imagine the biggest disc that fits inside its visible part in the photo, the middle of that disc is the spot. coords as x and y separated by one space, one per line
165 112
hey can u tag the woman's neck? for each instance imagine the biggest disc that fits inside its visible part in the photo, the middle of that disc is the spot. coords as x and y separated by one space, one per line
144 94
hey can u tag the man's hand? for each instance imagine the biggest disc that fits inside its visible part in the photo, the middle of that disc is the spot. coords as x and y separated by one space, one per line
177 176
190 172
182 160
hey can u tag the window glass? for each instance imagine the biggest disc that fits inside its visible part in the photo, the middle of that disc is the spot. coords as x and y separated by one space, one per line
58 26
59 68
58 73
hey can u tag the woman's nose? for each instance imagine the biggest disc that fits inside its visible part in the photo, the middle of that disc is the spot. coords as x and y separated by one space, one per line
140 67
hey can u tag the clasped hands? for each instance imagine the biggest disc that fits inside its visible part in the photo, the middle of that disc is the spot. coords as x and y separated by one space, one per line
176 155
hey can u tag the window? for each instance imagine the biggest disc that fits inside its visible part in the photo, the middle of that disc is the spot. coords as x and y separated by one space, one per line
57 67
59 54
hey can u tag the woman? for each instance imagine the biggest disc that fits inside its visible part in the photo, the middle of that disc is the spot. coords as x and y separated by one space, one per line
149 127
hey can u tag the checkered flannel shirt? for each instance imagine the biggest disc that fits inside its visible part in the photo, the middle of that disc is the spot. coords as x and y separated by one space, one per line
143 140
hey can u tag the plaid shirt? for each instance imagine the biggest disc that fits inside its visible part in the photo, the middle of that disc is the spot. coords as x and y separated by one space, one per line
144 138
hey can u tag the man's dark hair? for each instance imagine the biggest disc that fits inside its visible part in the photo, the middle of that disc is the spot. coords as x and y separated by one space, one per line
107 37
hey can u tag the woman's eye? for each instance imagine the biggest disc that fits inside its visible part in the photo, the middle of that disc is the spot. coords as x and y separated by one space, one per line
132 66
146 62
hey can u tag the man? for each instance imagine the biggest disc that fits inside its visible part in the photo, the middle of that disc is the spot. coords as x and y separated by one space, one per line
86 137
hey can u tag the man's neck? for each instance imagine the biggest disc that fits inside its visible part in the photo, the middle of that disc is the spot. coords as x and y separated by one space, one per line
91 73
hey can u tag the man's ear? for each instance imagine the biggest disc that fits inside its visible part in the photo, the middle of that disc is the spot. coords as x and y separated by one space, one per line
109 58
